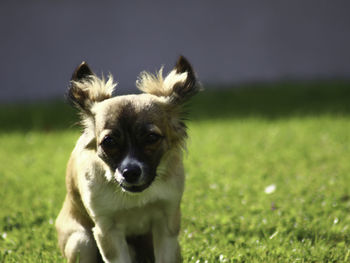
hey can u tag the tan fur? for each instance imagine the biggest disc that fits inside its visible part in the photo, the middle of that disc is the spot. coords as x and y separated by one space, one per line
157 85
96 88
101 221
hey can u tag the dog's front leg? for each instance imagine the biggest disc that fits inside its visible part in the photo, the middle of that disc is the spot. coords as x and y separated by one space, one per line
112 245
165 234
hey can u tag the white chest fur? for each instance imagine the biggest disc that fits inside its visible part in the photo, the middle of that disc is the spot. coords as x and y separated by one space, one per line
131 213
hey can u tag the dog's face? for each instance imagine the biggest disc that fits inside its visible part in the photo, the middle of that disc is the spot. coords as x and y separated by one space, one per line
132 133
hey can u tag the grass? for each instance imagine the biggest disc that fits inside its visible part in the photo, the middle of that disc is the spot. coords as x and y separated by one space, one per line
295 137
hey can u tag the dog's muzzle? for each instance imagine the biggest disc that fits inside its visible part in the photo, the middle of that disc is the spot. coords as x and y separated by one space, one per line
131 176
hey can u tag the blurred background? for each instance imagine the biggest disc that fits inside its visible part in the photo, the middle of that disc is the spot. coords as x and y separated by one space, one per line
228 42
275 113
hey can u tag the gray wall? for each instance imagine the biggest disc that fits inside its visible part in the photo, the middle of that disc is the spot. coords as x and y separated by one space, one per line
226 41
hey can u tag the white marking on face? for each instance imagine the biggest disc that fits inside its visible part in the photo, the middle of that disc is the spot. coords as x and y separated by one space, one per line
109 175
118 176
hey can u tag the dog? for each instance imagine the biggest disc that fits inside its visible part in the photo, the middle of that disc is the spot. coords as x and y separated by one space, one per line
125 176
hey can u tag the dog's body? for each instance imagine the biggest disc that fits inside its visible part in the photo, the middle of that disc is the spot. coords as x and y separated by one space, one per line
125 177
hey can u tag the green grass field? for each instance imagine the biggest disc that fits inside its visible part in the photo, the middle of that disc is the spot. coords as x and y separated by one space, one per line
294 138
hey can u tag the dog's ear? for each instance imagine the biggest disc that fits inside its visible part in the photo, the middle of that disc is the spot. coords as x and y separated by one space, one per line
181 81
178 86
81 72
86 88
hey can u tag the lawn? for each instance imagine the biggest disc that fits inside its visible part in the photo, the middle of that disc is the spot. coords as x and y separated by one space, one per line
268 175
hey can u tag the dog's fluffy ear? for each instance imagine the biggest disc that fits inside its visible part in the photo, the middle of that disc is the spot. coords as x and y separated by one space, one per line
178 86
86 88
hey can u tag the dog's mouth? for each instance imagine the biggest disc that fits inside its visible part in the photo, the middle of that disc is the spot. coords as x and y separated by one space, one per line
134 188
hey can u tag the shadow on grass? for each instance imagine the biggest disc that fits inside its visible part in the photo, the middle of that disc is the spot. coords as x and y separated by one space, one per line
43 116
270 101
273 101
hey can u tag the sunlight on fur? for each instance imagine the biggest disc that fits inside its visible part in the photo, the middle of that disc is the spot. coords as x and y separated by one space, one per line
156 85
97 89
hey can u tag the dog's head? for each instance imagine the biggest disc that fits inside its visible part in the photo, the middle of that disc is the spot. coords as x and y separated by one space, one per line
132 133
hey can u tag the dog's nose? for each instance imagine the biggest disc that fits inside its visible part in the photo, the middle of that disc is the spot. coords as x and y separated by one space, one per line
132 173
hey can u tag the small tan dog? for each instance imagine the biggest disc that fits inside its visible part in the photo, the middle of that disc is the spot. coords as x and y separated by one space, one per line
125 176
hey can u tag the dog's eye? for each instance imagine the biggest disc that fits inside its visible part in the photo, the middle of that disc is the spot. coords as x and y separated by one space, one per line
108 142
153 138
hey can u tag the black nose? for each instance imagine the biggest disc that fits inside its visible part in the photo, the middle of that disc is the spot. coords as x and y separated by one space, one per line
131 173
